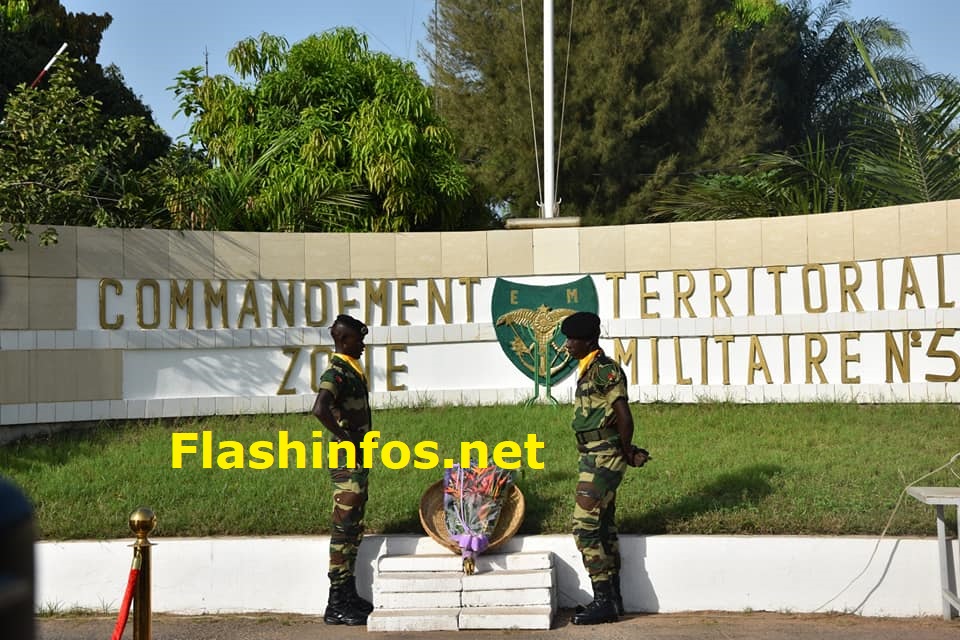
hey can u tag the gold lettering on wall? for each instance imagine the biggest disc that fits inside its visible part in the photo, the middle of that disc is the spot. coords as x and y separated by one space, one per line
777 273
215 298
469 284
757 361
250 306
814 360
155 286
750 298
934 352
514 299
181 300
393 368
786 359
683 295
703 360
436 301
616 278
309 303
848 290
280 303
655 360
897 357
846 357
807 270
678 362
377 297
724 342
909 285
627 356
403 301
719 295
117 287
647 295
941 287
879 266
292 353
344 304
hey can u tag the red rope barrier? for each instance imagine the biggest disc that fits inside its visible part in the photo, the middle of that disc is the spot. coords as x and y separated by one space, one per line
127 597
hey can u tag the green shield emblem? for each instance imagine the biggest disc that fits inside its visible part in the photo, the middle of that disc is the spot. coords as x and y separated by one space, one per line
527 321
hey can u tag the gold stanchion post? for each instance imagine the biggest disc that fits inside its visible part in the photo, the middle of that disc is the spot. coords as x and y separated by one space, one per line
142 522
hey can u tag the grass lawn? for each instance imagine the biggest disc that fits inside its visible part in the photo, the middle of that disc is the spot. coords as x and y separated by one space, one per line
833 469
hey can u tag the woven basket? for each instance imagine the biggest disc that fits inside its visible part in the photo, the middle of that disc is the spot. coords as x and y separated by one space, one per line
434 518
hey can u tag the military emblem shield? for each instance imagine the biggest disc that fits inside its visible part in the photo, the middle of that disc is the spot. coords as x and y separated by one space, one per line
527 322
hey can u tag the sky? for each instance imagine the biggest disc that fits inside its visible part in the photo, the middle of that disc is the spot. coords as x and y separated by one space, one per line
151 42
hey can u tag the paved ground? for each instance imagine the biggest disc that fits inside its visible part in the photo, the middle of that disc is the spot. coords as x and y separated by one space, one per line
686 626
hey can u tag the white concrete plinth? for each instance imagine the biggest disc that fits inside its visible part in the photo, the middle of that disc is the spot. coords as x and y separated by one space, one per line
422 592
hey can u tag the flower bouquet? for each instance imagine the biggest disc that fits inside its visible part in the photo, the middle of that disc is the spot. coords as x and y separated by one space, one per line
472 499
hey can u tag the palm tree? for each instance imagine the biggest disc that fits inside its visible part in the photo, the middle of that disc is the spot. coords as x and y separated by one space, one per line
901 145
822 76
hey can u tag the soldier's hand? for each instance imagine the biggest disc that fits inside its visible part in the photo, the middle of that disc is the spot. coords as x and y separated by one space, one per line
637 457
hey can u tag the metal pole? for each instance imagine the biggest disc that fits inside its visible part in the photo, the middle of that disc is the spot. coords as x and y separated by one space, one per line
548 184
142 522
43 71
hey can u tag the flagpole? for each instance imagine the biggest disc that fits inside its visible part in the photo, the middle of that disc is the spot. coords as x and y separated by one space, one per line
548 179
43 71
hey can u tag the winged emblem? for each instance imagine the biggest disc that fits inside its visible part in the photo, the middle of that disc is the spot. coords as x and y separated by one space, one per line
543 325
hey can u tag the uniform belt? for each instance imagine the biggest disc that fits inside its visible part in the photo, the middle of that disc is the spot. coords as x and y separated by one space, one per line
584 437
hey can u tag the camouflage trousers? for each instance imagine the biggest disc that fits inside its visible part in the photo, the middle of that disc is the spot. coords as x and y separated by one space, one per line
349 501
594 526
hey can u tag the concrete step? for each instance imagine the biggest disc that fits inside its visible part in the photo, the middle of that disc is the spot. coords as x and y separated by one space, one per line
414 620
418 582
508 598
440 581
450 562
506 618
502 580
417 600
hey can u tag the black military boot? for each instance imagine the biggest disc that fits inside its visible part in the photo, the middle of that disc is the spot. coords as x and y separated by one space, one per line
602 609
341 610
360 604
617 598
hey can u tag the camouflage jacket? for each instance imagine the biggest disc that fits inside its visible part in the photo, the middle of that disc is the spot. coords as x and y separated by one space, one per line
350 395
598 388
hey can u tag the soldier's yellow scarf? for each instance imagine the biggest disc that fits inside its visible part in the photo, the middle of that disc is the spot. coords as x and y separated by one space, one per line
585 362
354 363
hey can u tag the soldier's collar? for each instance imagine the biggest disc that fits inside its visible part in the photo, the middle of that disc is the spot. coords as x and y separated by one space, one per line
353 362
585 362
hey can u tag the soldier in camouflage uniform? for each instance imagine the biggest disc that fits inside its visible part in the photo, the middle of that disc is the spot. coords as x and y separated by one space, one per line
603 426
343 408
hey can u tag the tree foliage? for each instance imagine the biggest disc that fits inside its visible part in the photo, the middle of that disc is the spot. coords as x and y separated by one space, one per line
647 91
62 163
321 135
31 31
821 77
900 144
